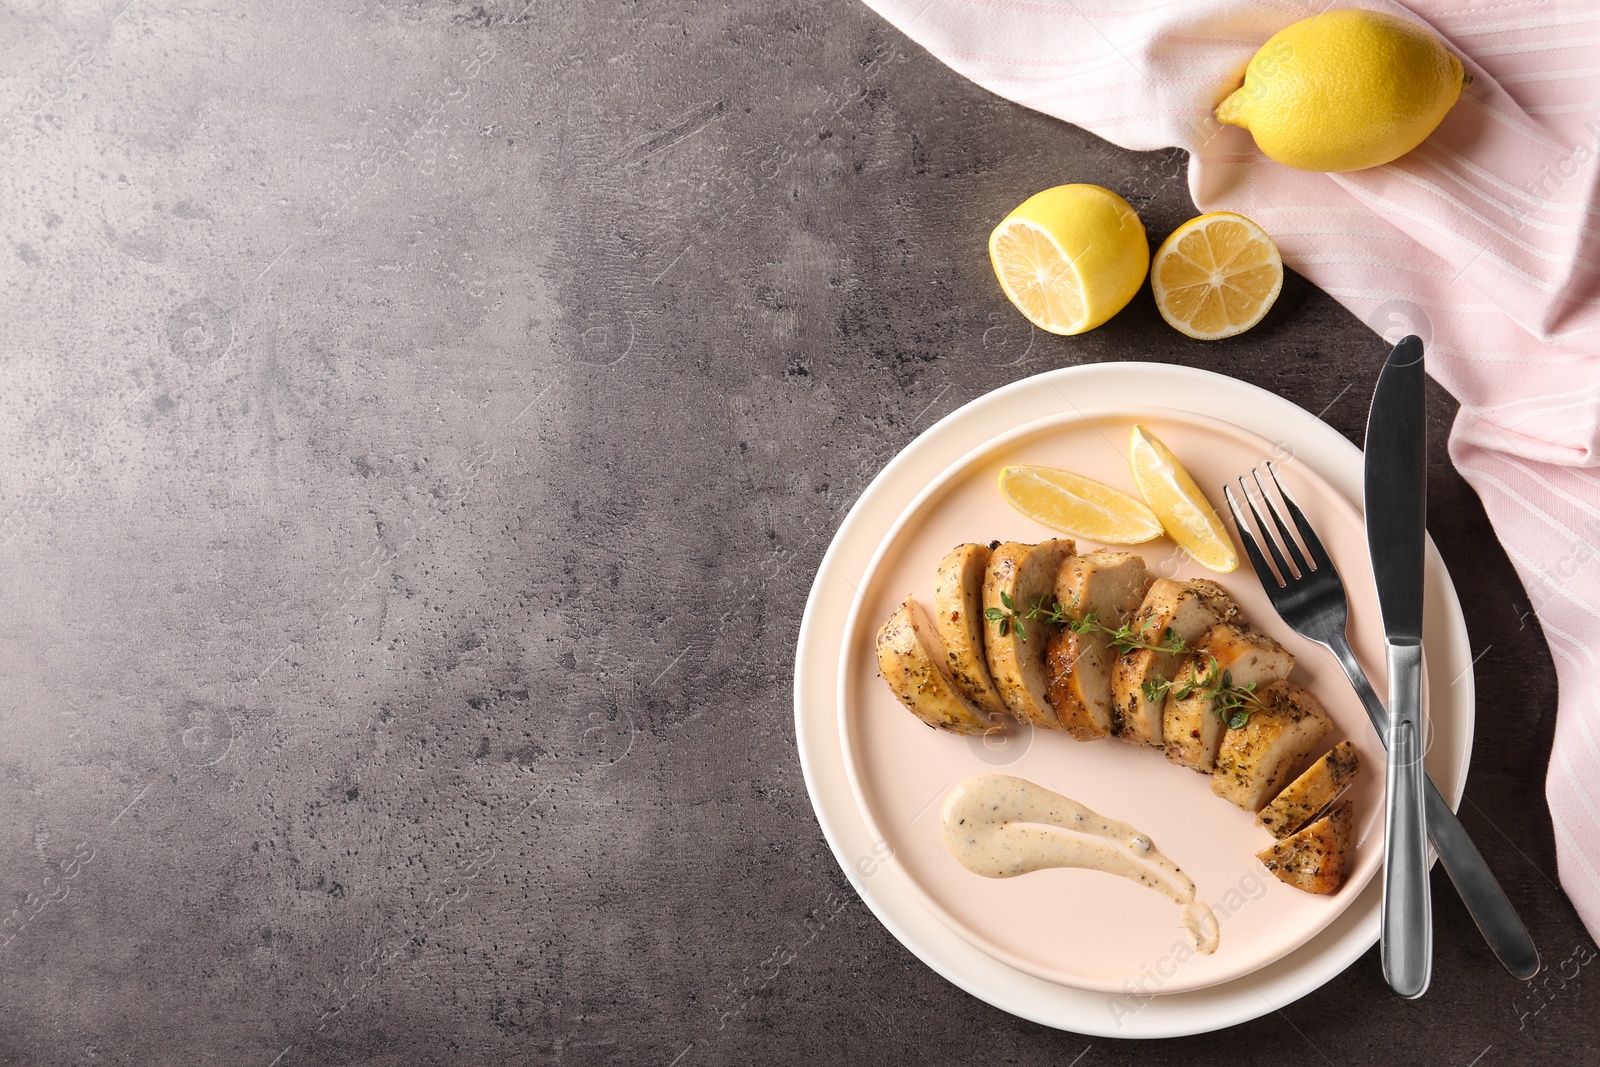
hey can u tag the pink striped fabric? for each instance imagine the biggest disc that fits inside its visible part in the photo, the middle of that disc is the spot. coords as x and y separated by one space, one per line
1482 241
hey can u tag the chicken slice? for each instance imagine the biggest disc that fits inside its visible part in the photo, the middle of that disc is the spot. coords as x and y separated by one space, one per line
1256 759
1187 609
1322 783
912 660
1020 578
1108 587
1230 653
1316 858
958 613
1217 599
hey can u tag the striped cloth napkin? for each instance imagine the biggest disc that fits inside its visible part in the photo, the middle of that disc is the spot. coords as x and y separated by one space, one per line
1482 241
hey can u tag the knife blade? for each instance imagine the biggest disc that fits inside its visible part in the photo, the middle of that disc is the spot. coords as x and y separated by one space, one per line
1396 515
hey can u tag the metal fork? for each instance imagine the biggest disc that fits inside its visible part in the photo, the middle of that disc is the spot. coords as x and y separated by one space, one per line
1310 597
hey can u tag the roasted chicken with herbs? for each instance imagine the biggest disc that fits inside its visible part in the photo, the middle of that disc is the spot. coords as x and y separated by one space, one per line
1229 656
1171 609
1284 726
1316 858
1099 591
1021 578
958 613
1321 784
1091 645
912 660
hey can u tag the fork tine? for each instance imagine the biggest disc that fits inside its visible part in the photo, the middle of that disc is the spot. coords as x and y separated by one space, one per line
1319 555
1284 573
1278 520
1247 535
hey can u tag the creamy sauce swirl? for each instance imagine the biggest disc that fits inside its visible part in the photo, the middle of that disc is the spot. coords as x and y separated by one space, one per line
986 828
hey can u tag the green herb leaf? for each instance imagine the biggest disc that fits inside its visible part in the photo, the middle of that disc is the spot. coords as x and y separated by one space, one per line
994 614
1050 613
1232 703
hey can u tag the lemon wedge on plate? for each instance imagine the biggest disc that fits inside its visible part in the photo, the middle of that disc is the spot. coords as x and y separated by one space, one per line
1183 509
1070 257
1079 506
1216 276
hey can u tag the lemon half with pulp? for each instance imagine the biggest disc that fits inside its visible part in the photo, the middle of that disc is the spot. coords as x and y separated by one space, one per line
1216 276
1070 257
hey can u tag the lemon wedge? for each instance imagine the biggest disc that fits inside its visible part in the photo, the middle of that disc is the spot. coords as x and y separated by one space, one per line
1070 257
1216 276
1183 509
1079 506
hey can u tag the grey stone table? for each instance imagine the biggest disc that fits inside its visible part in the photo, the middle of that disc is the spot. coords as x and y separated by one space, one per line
421 424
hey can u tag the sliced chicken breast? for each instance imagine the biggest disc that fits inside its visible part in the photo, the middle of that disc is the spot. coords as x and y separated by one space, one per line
1020 578
1217 599
1256 759
958 613
1188 609
1190 724
912 660
1311 793
1108 587
1316 858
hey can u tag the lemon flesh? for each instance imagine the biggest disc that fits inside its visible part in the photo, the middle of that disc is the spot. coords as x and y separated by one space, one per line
1345 90
1183 509
1216 276
1070 257
1079 506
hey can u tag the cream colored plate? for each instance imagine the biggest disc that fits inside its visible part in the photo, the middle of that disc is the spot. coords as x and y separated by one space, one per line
1060 946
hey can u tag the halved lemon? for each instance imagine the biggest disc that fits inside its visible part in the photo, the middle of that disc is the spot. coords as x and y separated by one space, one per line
1079 506
1183 509
1216 276
1070 257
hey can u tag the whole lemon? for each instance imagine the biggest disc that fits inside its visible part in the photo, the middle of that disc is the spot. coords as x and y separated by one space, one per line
1345 90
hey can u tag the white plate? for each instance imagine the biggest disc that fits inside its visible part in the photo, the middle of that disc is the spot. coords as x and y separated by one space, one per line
893 891
1078 927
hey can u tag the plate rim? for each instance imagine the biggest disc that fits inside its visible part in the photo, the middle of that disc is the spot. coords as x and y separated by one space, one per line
1034 999
858 604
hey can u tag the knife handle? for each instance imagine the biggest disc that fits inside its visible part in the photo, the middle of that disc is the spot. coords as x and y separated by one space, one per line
1480 891
1407 948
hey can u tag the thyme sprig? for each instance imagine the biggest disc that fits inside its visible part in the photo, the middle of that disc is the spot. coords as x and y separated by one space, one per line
1008 616
1124 638
1233 703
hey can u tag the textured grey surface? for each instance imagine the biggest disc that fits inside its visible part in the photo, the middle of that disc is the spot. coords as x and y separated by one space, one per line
420 424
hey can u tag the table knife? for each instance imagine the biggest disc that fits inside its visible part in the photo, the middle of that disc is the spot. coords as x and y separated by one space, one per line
1396 510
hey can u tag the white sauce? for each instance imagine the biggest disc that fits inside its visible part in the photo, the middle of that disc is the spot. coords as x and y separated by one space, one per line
984 830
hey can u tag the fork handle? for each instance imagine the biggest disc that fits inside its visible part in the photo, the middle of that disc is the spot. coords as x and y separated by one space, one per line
1486 902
